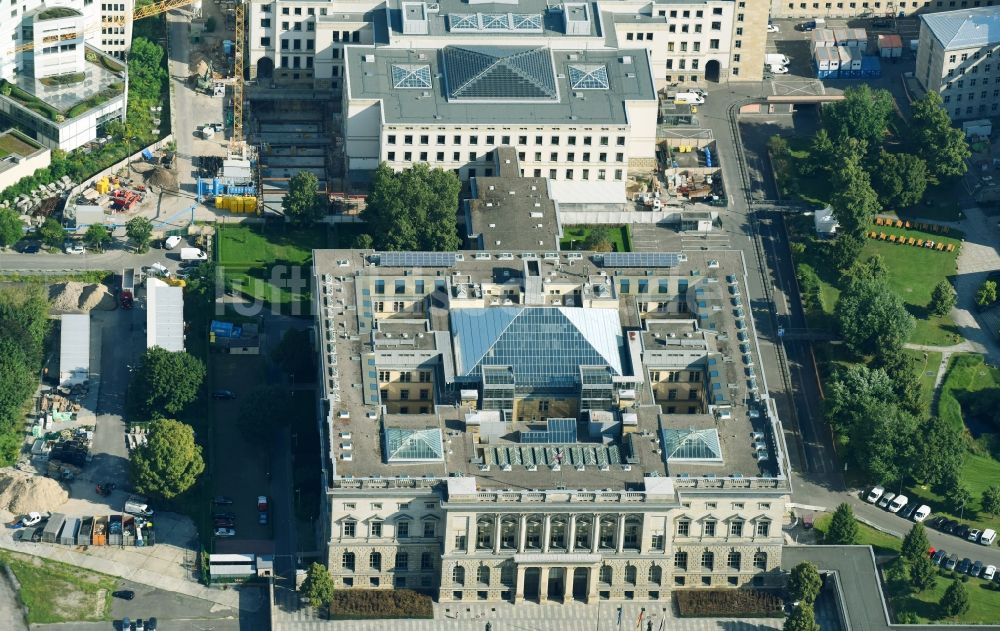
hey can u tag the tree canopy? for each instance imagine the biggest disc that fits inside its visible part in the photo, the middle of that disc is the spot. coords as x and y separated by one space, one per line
863 114
915 543
941 453
139 230
901 179
302 202
804 582
943 298
11 227
987 293
170 461
943 147
843 530
52 233
164 383
598 239
870 316
802 618
415 209
955 601
923 573
96 236
991 500
318 586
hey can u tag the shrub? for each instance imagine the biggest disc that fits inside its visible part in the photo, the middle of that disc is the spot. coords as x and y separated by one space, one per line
376 604
729 603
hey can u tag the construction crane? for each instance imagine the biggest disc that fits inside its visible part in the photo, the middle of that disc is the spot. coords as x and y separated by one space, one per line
236 144
117 20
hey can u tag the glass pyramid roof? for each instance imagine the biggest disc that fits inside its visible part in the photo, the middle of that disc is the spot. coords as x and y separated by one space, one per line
510 73
692 445
413 445
588 76
545 346
410 75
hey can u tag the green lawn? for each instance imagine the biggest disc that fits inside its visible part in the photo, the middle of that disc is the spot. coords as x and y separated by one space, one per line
266 262
574 236
984 604
867 536
927 366
57 592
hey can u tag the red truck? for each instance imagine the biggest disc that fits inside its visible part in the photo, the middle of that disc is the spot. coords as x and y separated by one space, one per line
127 294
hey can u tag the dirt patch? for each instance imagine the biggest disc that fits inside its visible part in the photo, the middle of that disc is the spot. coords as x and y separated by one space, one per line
23 493
161 177
75 297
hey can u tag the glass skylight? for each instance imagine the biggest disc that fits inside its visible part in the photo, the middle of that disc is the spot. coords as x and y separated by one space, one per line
411 76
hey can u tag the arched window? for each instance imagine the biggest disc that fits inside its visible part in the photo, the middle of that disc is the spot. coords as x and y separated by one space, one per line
483 575
458 575
347 561
734 560
375 560
708 560
760 560
484 533
402 561
630 574
655 574
681 560
606 574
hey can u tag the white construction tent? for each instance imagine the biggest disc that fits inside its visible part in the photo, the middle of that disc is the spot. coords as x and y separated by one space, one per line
74 349
164 315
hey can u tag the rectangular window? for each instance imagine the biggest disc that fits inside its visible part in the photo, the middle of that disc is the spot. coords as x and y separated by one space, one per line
429 529
683 527
709 528
403 530
375 530
763 529
349 528
736 529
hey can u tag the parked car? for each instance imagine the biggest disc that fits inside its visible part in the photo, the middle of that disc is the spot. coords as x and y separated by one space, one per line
223 394
897 503
939 557
964 565
75 248
888 497
936 522
778 69
988 537
962 531
989 572
907 511
151 624
139 625
224 516
921 513
974 535
124 594
949 526
772 28
171 242
262 503
225 532
882 24
874 495
262 518
976 569
951 562
126 624
31 248
222 500
224 523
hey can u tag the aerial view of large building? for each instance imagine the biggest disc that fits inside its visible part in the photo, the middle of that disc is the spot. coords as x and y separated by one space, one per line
564 426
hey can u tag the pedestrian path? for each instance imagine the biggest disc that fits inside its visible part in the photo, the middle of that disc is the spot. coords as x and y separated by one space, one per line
287 615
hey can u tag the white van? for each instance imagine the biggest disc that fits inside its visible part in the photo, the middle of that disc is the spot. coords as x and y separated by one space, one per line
138 506
775 59
988 537
689 98
897 503
874 495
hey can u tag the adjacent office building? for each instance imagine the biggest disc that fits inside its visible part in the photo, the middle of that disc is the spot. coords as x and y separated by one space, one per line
785 9
547 426
956 56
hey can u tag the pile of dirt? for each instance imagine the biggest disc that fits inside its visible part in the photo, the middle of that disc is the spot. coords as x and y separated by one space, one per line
22 493
162 178
74 297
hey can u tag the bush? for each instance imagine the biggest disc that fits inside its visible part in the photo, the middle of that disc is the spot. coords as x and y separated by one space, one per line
377 604
728 603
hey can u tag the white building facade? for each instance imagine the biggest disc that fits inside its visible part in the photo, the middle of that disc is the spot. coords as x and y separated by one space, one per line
957 57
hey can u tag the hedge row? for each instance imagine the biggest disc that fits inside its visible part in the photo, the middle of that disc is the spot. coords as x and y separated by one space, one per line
728 603
353 604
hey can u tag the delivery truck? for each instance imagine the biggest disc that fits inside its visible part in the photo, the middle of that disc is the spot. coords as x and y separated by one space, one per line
193 254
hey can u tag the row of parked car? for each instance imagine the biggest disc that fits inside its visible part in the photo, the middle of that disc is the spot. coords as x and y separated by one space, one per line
899 504
963 531
975 569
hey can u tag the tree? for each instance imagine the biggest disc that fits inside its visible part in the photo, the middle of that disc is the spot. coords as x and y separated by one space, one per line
843 530
18 379
872 318
854 201
11 227
170 461
262 411
922 572
943 298
863 114
852 392
991 500
804 583
415 209
987 293
901 179
960 498
846 250
884 447
364 241
904 375
598 239
302 202
955 601
318 586
96 236
802 618
139 230
915 543
164 382
823 152
940 454
943 147
52 233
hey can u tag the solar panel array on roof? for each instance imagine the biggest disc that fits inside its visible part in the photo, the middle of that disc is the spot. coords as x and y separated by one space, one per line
642 259
410 75
588 76
499 73
415 259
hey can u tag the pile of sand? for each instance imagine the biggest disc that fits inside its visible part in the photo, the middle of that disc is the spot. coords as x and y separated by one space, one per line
22 493
162 178
74 297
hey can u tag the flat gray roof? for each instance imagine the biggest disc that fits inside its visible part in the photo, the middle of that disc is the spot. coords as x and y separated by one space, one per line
965 28
370 75
439 23
524 220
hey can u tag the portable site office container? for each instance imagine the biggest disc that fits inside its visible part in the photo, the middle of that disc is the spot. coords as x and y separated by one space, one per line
100 537
86 528
823 38
51 532
68 536
857 38
841 35
856 57
115 530
871 66
827 59
890 46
